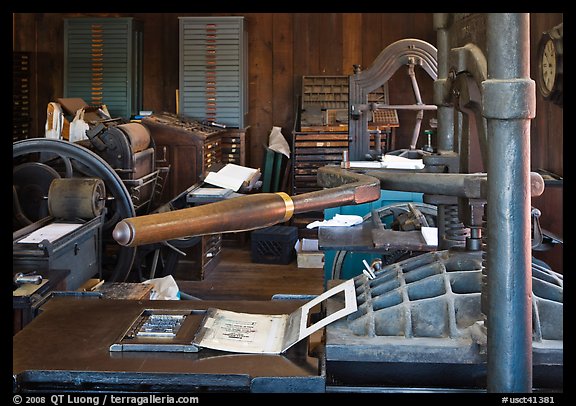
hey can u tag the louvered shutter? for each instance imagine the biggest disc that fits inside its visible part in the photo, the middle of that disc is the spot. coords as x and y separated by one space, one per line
213 74
103 63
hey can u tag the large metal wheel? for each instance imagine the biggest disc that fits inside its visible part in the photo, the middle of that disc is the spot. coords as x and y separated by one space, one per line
389 215
66 159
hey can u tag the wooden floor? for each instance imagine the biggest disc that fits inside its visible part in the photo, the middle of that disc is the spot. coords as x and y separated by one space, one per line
236 277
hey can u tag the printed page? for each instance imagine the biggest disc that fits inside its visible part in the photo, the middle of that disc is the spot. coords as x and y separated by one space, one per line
269 334
242 332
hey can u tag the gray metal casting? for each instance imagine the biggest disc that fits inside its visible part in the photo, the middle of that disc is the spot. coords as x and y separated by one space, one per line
427 310
468 185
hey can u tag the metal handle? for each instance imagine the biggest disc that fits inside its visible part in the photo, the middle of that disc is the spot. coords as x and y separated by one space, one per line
21 279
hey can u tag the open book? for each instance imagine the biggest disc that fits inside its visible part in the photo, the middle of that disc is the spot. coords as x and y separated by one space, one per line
233 177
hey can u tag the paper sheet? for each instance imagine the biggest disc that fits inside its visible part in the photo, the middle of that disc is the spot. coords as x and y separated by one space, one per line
277 142
366 164
400 162
430 234
309 244
164 288
51 232
389 162
243 332
339 220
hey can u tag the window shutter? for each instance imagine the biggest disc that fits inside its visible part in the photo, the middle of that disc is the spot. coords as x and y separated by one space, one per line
213 74
103 63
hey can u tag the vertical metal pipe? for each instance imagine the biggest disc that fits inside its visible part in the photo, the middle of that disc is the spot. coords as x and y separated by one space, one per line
419 113
445 117
445 113
509 104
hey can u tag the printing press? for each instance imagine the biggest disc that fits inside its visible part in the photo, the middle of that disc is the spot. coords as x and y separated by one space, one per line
436 321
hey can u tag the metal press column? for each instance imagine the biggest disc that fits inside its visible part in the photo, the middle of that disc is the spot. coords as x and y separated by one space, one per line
509 104
445 112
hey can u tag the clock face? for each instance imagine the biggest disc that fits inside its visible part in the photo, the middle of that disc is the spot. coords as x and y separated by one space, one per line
549 65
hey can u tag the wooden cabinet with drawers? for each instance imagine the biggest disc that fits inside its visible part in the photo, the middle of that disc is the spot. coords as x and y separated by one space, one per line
191 149
313 149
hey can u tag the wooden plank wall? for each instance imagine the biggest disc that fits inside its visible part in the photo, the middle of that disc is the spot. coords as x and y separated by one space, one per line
547 147
282 48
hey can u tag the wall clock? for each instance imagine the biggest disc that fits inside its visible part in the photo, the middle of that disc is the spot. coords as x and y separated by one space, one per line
550 59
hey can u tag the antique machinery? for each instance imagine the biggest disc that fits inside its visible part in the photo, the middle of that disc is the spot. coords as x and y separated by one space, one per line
238 214
475 315
75 205
378 237
485 87
130 150
406 52
62 159
121 155
60 251
483 221
422 316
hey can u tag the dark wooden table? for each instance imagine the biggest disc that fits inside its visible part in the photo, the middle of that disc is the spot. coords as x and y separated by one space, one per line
67 347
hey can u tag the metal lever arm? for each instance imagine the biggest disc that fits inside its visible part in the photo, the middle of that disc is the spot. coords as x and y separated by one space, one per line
244 213
472 186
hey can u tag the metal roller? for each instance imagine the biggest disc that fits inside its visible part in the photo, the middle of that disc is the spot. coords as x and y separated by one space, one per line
137 134
70 198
